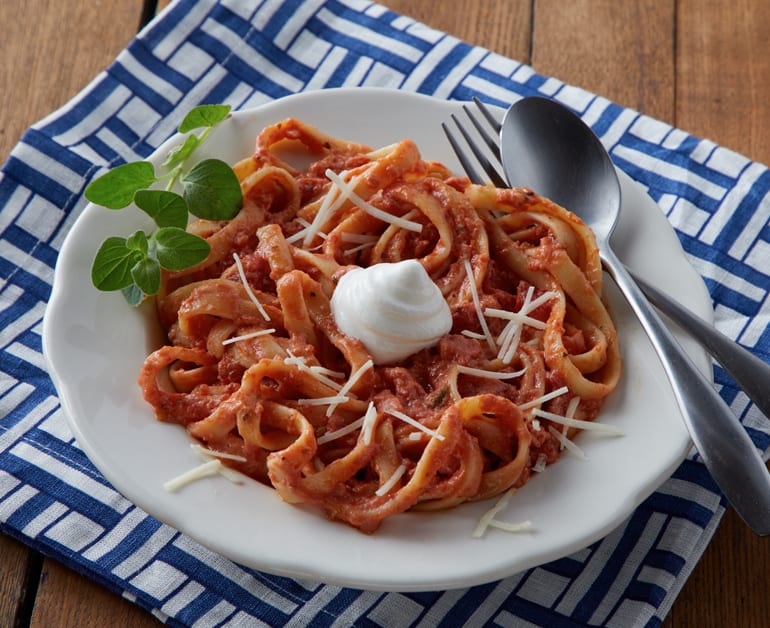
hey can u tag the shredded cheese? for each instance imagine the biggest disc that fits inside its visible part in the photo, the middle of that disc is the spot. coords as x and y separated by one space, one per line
370 418
483 523
407 419
208 454
517 317
323 401
477 305
246 285
254 334
391 481
348 429
366 423
320 373
583 425
543 398
348 192
331 201
352 380
301 234
469 370
510 527
567 444
206 469
540 463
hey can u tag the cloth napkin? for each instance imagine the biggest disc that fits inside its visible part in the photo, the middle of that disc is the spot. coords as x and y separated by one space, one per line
246 53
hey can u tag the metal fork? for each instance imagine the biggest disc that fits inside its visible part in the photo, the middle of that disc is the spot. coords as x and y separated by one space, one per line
748 371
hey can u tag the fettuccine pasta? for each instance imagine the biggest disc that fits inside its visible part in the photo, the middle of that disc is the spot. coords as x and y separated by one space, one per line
256 367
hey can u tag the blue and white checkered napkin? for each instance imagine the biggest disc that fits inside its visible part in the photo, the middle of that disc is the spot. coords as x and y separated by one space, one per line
246 53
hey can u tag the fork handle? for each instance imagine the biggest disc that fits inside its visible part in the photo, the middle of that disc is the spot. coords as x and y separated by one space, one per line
725 447
748 371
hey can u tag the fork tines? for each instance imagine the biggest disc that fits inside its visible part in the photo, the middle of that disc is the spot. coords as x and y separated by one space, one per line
485 150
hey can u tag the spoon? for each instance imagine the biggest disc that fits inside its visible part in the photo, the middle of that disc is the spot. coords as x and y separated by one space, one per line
545 147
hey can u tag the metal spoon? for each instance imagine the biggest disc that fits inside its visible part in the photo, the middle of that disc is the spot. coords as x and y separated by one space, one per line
547 148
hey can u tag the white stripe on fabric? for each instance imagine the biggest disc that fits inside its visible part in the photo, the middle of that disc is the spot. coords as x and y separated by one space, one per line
159 579
72 476
294 25
115 536
75 531
727 210
236 574
144 553
44 519
670 171
368 36
627 572
7 483
16 500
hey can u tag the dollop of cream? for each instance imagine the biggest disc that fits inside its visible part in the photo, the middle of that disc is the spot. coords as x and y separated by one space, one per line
394 309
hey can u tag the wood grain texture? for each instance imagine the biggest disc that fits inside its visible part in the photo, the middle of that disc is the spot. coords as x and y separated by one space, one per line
501 26
723 73
66 598
702 65
621 50
50 50
18 566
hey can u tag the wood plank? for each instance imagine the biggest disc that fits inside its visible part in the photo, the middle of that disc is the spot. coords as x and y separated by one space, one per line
500 25
723 73
57 67
19 569
66 598
630 56
729 586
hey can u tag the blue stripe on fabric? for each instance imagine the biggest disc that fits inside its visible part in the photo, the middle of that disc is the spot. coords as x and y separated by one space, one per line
46 187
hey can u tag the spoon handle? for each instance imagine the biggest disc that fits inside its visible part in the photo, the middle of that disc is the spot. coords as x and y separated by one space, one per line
748 371
725 447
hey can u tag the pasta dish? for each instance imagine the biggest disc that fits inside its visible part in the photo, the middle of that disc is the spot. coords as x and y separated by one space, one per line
372 334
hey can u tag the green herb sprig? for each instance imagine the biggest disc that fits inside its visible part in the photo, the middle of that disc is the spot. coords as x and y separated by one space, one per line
210 191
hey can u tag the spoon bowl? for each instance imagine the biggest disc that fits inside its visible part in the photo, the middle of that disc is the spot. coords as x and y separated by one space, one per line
546 147
558 156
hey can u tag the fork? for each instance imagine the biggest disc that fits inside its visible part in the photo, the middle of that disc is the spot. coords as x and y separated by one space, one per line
747 370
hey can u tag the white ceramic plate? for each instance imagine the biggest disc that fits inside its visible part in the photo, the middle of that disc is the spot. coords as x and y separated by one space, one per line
95 345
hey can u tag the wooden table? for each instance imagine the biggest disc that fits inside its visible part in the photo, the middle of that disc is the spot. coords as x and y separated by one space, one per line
701 65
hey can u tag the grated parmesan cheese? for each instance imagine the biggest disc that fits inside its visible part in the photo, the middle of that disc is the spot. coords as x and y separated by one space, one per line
352 380
254 334
320 373
568 421
407 419
204 470
348 192
477 305
391 481
246 285
543 398
468 370
567 444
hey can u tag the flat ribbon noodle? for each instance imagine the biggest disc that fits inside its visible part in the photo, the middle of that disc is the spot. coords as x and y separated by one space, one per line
255 364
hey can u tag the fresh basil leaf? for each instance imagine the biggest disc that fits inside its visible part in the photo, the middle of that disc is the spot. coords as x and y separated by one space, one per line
111 269
212 190
176 249
133 295
179 154
204 116
146 275
167 209
116 188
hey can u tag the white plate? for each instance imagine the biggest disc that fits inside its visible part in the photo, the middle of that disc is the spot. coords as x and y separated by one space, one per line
95 345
